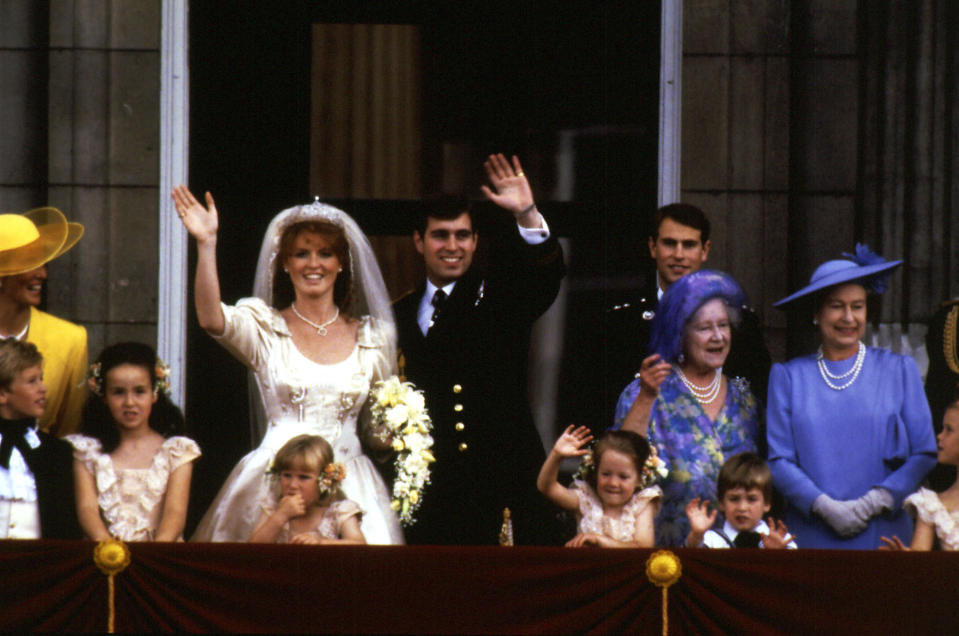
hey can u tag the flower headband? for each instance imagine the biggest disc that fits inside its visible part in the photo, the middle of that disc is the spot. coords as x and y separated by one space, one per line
161 371
327 481
653 470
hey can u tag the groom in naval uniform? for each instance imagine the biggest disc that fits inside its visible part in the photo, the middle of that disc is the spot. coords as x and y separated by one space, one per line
464 339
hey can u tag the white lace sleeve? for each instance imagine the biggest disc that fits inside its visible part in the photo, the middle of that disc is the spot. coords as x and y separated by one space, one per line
247 329
929 509
180 450
345 509
639 503
85 450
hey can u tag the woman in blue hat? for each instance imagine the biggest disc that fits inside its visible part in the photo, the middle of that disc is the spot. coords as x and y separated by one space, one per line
694 416
849 429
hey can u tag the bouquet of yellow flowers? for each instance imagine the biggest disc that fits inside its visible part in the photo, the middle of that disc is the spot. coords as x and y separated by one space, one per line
399 409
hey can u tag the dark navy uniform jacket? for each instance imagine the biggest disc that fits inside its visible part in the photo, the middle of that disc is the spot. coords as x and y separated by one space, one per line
472 367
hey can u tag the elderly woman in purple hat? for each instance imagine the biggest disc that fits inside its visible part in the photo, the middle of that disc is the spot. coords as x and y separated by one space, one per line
693 415
849 429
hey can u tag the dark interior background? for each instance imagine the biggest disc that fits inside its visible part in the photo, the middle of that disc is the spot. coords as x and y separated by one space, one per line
500 76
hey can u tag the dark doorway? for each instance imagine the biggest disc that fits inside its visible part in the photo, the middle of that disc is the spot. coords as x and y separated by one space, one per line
531 78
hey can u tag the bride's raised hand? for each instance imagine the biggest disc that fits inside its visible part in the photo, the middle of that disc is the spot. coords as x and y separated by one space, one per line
200 222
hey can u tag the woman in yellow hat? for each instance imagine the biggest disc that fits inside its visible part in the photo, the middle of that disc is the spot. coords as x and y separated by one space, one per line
27 243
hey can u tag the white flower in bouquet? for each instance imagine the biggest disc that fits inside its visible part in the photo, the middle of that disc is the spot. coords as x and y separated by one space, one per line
397 416
400 408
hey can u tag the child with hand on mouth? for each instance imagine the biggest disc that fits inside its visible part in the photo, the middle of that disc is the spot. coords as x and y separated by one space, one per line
744 489
310 508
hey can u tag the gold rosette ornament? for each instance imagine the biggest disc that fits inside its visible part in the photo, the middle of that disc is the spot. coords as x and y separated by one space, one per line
111 556
663 569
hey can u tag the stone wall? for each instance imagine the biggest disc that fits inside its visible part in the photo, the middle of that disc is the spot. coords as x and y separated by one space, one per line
79 94
769 150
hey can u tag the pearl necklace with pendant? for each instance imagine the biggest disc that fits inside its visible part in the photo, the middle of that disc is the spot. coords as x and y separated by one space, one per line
854 371
321 329
705 394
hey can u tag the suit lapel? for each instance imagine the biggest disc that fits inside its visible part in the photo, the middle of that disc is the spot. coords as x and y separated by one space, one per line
456 307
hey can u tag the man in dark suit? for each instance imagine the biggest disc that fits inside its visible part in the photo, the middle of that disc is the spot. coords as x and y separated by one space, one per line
679 246
36 469
464 338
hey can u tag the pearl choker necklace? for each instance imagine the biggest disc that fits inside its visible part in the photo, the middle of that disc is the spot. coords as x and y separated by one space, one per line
705 394
321 329
854 371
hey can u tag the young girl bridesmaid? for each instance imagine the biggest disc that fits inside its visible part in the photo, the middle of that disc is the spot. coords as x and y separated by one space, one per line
310 508
616 503
132 471
937 514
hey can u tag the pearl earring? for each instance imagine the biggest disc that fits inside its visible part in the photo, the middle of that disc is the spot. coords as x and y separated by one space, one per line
340 269
286 269
682 358
815 321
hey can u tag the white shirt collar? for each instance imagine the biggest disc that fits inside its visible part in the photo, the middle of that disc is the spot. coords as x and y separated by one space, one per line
732 532
431 289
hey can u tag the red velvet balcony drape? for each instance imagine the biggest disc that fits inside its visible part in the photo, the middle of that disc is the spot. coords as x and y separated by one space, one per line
54 586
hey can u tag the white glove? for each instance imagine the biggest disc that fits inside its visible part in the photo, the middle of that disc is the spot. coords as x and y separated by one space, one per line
873 503
839 515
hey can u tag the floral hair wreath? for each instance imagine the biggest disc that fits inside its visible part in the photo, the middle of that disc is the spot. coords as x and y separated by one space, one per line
327 481
161 371
653 470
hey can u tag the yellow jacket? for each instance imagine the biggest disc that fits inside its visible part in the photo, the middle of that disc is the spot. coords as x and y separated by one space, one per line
64 349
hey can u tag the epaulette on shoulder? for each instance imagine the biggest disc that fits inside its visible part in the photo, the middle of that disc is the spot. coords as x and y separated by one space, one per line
403 295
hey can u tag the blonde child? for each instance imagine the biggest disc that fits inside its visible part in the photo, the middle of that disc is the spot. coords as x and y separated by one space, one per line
616 504
744 489
937 513
132 471
310 507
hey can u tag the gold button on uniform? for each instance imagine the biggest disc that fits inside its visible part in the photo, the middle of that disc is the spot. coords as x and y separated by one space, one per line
459 426
457 388
463 447
457 407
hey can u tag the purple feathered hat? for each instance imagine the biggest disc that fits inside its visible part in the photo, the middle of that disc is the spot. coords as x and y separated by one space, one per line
864 267
682 300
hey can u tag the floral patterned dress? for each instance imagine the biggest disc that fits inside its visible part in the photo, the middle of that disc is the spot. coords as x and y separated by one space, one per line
929 509
131 499
693 447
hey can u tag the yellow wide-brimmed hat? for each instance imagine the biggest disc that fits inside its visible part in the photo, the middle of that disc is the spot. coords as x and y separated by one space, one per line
29 240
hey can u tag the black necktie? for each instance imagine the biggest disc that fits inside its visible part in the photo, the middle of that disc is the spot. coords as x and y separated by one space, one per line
438 299
13 432
747 539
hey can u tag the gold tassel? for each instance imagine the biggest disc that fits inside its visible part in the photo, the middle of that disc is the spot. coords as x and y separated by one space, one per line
663 569
506 531
111 556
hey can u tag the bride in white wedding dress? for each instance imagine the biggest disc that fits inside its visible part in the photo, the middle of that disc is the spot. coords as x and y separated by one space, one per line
314 360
